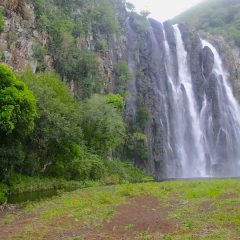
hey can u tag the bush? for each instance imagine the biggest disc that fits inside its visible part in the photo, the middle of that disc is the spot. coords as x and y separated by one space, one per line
124 76
1 23
116 101
122 172
140 22
104 18
57 135
17 104
3 193
101 45
91 168
103 126
39 53
17 115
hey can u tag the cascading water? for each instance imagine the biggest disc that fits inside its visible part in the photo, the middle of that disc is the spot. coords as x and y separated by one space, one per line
194 120
222 133
203 143
187 144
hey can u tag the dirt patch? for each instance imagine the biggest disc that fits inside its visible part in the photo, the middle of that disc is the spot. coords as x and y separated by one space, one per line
229 196
9 208
17 221
140 216
207 206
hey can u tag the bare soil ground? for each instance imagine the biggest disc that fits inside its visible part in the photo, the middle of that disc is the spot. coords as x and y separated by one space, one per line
138 217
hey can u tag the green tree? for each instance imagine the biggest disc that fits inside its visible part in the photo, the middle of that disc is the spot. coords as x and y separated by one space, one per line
58 134
116 101
104 18
39 53
17 114
103 126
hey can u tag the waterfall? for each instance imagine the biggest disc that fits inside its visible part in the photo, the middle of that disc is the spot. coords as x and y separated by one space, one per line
187 133
194 118
203 143
223 133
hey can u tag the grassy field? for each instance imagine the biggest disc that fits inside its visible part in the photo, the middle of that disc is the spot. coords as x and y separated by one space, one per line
177 210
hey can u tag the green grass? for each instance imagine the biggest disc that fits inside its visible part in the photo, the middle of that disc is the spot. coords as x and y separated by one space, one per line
207 209
117 173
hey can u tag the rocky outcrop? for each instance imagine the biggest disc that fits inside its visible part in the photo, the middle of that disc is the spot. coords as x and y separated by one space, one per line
154 88
207 61
20 34
194 47
230 54
150 48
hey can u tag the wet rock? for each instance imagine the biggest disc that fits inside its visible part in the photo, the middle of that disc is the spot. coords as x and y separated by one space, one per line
172 44
207 61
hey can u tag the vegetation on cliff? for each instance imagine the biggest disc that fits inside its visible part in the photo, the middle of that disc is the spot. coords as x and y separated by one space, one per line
215 16
69 24
49 132
1 23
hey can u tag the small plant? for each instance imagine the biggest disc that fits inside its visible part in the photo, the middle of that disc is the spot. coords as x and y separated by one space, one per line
129 227
3 191
11 38
124 76
130 6
39 52
101 45
1 23
140 22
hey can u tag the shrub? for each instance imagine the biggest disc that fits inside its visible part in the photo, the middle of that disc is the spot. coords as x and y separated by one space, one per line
3 193
57 134
140 22
1 23
17 115
123 74
122 172
39 53
104 18
116 101
103 126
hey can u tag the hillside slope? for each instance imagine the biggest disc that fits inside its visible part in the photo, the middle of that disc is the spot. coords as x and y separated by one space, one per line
215 16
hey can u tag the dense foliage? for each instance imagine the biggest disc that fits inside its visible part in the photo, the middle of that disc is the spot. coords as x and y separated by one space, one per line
103 126
48 132
68 135
17 114
69 29
68 139
57 133
216 16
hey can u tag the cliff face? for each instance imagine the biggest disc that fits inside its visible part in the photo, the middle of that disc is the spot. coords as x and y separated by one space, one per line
154 58
23 34
20 33
185 90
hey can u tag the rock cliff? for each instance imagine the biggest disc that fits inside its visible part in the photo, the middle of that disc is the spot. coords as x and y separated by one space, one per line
152 54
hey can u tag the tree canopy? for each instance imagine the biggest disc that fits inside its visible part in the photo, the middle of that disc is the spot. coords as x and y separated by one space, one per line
17 115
